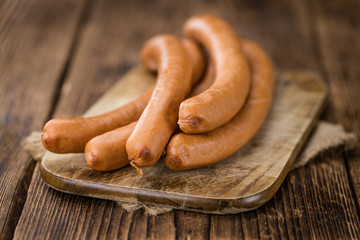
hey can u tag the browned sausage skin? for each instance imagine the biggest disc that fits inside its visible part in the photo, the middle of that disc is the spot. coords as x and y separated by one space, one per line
191 151
218 104
158 121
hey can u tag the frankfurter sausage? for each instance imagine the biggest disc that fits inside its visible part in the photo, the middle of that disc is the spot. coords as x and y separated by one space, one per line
197 58
70 135
158 121
107 151
225 97
192 151
205 83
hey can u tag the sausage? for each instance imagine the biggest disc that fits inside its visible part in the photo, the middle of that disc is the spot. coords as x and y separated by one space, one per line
197 59
205 83
158 121
218 104
191 151
70 135
107 151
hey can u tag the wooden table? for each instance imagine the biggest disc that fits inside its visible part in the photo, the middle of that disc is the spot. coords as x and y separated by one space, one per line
58 57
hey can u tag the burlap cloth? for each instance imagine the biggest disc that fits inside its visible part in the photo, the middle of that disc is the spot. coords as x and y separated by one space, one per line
325 136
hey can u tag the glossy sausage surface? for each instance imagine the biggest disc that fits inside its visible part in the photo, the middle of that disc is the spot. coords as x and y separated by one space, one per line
70 135
192 151
107 151
158 121
205 83
218 104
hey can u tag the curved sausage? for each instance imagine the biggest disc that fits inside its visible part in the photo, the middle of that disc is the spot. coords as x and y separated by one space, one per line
226 95
70 135
197 59
205 83
158 121
192 151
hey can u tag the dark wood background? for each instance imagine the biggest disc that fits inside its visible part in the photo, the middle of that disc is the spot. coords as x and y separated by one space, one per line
58 57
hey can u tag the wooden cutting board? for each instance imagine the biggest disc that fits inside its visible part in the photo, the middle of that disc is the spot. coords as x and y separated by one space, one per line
242 182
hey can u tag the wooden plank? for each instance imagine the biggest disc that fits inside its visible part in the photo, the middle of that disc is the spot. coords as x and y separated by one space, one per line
35 41
87 218
338 24
284 28
188 228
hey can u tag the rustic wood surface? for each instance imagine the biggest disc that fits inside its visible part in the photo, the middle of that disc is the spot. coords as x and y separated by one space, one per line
35 44
61 57
242 182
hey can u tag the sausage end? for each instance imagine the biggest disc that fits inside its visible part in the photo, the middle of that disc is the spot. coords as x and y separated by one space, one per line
47 141
173 163
145 153
93 161
188 123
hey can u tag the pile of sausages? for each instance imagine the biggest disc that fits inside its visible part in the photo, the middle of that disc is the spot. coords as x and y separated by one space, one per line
189 117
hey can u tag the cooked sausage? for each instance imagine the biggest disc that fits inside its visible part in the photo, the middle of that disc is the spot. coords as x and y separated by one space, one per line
107 151
205 83
70 135
191 151
217 105
158 121
197 58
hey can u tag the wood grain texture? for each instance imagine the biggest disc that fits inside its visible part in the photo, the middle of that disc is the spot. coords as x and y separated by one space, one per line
94 69
242 182
35 40
286 30
335 22
292 213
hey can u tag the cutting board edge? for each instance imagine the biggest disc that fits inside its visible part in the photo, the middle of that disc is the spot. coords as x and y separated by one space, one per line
183 202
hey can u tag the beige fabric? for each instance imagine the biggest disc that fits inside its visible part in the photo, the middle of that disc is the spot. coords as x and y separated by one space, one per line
33 146
325 136
152 209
